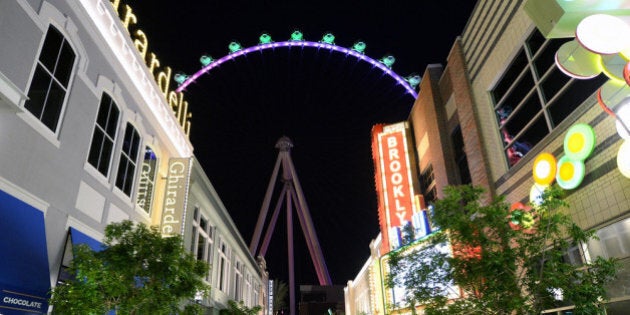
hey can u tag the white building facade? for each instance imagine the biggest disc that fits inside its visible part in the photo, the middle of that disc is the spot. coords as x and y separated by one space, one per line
88 131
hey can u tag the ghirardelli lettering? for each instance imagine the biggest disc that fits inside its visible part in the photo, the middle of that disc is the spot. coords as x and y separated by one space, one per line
175 196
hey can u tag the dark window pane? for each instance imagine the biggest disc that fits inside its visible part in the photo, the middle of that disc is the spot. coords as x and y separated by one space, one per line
523 115
122 170
460 156
535 41
135 145
517 66
112 121
64 65
572 97
38 91
103 111
532 135
106 156
54 103
127 140
521 88
546 58
95 148
553 83
131 169
193 244
51 48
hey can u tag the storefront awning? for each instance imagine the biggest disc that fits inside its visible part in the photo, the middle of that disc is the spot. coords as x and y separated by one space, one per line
79 237
24 270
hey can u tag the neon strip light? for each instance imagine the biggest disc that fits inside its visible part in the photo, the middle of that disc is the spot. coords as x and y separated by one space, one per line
343 50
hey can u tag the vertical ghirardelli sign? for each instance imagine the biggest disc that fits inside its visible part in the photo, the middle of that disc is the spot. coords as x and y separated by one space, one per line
175 196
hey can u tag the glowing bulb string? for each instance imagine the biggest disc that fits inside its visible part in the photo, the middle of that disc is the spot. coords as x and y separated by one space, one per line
608 110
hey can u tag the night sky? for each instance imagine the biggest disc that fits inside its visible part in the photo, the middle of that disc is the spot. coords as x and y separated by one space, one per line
325 102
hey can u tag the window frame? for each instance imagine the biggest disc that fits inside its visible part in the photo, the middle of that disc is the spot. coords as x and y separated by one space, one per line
527 131
106 136
122 154
51 79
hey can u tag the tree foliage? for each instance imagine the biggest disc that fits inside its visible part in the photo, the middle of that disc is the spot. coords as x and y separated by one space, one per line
137 272
280 294
239 308
500 270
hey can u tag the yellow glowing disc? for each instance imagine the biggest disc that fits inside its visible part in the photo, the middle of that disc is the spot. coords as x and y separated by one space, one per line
579 142
570 173
544 170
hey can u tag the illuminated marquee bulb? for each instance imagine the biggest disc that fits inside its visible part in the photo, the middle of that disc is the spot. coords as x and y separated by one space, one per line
413 80
329 38
544 170
570 173
388 61
264 39
623 158
579 142
359 47
234 47
604 34
297 36
206 60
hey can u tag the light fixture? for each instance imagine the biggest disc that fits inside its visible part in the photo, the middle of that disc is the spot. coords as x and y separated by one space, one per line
579 142
544 169
603 33
570 173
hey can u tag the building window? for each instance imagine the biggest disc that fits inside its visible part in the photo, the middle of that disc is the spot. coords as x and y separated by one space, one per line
533 97
248 290
427 182
460 156
238 281
224 267
147 180
49 86
202 239
614 241
128 160
104 135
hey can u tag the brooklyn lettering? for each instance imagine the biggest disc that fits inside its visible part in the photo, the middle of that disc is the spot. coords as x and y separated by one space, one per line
396 177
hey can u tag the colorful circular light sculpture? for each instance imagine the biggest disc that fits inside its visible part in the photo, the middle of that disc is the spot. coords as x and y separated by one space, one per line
388 61
604 34
521 218
205 60
623 158
623 115
264 39
536 194
570 173
234 47
297 36
329 38
579 142
544 169
577 62
359 47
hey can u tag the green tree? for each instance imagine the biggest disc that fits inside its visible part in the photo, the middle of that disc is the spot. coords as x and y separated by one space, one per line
280 294
239 308
501 269
137 272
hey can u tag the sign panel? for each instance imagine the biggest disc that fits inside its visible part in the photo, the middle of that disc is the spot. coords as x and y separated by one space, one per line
176 196
396 177
270 301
